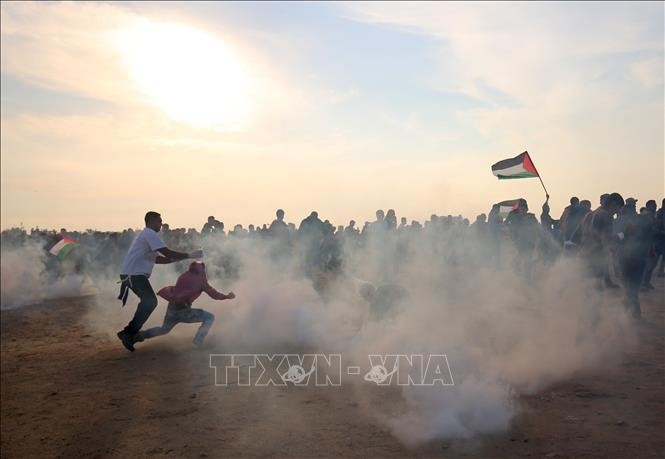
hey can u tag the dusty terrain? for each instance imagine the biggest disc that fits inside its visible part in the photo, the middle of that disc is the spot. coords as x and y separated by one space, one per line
67 392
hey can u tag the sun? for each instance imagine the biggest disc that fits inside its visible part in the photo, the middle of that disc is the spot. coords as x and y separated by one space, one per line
191 75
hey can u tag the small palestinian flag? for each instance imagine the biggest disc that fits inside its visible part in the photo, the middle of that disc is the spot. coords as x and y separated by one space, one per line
520 166
62 248
505 207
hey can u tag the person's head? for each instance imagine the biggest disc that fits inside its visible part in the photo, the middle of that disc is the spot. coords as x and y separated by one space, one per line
631 203
603 197
613 203
197 267
153 221
280 214
523 207
165 227
574 201
403 220
251 228
314 214
352 223
340 228
211 219
391 213
651 206
379 215
585 204
481 218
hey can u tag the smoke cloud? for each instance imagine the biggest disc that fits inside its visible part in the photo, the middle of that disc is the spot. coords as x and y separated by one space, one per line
505 330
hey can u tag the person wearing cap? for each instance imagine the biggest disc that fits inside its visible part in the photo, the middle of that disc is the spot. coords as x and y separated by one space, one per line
180 296
146 250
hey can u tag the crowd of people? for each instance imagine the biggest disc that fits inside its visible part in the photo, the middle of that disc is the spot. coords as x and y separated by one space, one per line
616 242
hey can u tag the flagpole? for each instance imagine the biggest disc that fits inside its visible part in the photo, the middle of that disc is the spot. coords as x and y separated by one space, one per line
547 195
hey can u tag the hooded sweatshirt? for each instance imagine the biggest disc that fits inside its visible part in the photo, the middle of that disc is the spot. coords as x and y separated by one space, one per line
189 286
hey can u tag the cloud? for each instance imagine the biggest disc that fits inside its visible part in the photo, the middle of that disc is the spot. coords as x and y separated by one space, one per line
524 50
573 83
81 49
64 47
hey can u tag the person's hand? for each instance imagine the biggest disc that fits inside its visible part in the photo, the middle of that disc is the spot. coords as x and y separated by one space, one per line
231 295
198 253
621 236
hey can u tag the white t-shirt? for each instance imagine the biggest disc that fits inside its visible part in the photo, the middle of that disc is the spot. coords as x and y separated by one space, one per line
141 256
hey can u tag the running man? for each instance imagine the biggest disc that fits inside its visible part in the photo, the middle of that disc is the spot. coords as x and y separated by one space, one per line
146 250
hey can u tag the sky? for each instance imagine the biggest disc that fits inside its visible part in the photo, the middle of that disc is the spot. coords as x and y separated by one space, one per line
190 109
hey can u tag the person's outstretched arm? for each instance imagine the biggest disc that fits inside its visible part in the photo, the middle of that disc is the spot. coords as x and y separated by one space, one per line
170 256
215 295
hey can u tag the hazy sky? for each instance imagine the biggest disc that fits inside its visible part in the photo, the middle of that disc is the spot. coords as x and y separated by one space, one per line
236 109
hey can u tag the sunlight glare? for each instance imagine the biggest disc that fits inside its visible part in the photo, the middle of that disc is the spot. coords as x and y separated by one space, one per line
189 74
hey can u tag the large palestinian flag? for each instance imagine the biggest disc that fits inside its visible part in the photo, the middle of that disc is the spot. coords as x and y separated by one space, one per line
62 248
520 166
505 207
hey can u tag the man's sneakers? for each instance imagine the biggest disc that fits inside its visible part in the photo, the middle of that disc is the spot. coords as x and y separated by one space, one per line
198 342
126 340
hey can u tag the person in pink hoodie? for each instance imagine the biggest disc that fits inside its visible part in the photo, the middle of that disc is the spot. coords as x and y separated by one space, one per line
180 296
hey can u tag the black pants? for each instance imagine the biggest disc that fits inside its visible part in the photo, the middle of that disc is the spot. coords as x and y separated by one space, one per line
632 270
148 302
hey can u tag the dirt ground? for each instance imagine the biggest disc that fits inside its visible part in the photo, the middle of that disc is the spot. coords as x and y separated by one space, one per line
69 393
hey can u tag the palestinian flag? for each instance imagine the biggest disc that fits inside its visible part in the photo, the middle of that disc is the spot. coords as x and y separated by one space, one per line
505 207
62 248
520 166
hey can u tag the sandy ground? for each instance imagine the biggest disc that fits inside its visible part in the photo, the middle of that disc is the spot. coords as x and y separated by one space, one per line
67 392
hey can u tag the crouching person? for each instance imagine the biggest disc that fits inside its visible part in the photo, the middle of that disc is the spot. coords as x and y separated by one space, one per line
189 286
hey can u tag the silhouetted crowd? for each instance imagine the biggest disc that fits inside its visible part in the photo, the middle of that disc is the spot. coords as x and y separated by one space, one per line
616 242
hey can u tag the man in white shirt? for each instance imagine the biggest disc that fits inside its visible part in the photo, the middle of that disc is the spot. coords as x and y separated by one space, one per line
146 250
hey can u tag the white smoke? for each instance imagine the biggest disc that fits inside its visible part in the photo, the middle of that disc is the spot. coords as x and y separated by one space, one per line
25 280
504 333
